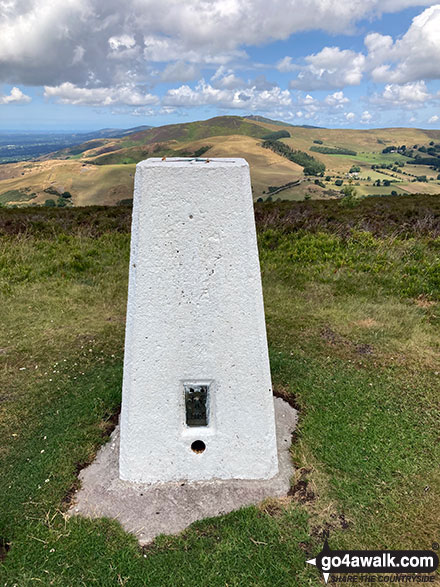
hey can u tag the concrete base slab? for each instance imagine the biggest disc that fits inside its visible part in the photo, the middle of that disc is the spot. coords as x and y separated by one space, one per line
168 508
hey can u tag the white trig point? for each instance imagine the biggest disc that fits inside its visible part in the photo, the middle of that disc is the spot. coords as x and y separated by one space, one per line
197 400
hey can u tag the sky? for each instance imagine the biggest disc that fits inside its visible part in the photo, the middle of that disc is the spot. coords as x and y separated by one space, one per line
90 64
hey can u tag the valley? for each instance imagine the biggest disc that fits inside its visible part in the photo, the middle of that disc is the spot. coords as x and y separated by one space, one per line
100 171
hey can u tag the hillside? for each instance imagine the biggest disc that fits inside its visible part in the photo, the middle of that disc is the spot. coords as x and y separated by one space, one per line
24 145
101 170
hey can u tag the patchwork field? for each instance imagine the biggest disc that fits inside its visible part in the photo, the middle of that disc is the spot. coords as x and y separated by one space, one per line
352 302
100 171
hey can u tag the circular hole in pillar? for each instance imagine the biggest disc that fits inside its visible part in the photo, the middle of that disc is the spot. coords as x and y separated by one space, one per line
198 446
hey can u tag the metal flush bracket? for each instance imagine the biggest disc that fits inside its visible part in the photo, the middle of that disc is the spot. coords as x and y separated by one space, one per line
196 404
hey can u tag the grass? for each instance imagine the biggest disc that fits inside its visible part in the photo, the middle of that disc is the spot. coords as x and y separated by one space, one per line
376 158
16 196
352 311
372 190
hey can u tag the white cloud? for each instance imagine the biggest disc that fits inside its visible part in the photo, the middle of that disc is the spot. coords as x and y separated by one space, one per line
409 95
332 67
433 119
286 64
331 107
366 117
226 78
378 47
179 71
336 100
124 41
15 96
415 56
68 93
142 112
158 48
40 38
247 98
78 54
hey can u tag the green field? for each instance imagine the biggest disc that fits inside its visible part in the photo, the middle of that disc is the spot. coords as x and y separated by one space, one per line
376 158
372 190
16 196
352 309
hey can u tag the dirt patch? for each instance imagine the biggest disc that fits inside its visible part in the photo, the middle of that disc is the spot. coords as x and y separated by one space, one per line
4 548
300 491
109 423
364 349
332 337
281 392
338 522
275 507
423 302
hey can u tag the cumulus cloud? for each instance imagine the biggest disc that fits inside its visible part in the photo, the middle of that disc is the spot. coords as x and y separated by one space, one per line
332 67
161 49
414 57
95 53
179 71
366 117
15 96
206 94
336 100
409 95
286 64
85 41
433 119
68 93
311 108
226 78
121 41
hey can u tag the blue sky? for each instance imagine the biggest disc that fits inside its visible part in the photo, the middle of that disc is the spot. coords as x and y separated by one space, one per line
88 64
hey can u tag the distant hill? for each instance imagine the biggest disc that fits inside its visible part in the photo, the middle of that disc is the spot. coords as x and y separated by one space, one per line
25 145
100 168
192 131
112 132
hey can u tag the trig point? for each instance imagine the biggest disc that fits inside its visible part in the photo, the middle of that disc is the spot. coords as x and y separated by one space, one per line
197 400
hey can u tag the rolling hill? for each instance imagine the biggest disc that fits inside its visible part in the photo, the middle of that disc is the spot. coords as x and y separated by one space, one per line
100 170
24 145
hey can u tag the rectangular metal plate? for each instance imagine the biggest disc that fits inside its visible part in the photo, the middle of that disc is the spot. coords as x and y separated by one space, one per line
196 404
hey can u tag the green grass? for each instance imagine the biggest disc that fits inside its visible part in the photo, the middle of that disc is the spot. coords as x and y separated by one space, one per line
353 318
372 190
376 158
193 131
15 196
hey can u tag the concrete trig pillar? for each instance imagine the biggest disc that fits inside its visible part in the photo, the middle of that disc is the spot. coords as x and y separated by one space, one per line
197 400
